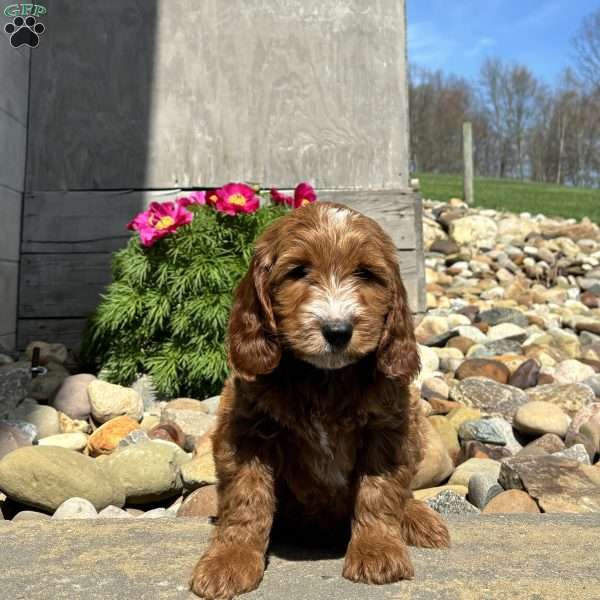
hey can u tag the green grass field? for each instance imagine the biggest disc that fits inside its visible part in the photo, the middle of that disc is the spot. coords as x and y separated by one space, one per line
517 196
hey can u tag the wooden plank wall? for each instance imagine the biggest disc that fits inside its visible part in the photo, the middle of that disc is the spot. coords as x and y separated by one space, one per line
161 95
180 93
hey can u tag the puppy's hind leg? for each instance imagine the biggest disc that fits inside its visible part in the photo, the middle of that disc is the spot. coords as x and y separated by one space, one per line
423 527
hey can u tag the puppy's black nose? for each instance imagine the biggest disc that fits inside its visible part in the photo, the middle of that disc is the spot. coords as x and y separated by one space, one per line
337 333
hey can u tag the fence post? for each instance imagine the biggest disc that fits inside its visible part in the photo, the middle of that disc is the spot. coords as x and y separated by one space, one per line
468 161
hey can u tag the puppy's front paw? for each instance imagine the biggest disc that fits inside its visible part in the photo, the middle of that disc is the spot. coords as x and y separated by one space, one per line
371 560
422 526
226 571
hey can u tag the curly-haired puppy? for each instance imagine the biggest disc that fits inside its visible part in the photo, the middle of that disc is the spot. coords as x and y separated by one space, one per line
317 430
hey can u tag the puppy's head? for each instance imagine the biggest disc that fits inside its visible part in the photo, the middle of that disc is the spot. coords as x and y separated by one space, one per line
323 283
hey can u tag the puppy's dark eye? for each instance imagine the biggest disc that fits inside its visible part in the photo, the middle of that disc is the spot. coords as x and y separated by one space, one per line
365 274
298 272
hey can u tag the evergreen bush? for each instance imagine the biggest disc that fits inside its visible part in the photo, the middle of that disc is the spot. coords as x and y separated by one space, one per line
165 313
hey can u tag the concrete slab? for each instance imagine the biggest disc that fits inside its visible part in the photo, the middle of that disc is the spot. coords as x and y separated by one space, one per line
530 557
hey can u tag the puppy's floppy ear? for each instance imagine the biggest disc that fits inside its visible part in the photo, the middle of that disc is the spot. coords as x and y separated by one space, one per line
252 346
397 354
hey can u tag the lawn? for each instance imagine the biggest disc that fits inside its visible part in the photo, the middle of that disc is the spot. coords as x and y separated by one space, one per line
517 196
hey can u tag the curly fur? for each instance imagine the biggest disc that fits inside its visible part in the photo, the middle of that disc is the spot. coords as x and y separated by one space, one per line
312 437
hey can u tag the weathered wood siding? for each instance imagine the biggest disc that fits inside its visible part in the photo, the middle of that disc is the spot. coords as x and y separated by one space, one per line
177 93
66 257
14 81
162 95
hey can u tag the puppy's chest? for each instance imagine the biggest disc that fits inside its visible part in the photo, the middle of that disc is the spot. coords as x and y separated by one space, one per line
327 451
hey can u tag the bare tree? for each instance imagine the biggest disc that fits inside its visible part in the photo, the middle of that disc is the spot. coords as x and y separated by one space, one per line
587 48
438 106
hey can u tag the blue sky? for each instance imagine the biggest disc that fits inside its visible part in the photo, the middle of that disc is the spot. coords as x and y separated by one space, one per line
456 35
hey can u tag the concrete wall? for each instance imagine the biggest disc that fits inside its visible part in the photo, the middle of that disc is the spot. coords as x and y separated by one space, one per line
14 83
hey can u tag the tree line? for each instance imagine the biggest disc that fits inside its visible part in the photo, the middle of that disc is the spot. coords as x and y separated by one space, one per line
522 128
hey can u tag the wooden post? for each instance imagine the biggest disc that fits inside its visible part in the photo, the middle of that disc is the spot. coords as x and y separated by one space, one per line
468 161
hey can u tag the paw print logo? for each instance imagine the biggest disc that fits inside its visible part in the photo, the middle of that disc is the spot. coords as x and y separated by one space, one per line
24 31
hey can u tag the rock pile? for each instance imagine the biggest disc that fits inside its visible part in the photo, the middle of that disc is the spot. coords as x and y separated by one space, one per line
94 450
511 351
510 347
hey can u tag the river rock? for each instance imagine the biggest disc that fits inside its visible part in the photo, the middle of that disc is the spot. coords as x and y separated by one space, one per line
45 387
436 465
482 430
496 316
475 449
495 348
11 438
507 331
447 434
109 401
539 417
526 375
512 501
571 397
444 247
480 367
475 230
30 515
114 512
546 444
448 502
191 417
576 452
464 471
59 474
148 471
492 398
457 416
572 371
425 494
557 484
482 488
68 425
434 387
71 441
460 343
72 398
202 503
14 380
45 419
212 404
107 437
431 326
75 508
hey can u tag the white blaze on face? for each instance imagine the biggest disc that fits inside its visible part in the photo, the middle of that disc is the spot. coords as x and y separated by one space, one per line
338 300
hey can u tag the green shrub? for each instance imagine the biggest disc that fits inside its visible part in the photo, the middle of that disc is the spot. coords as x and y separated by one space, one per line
165 313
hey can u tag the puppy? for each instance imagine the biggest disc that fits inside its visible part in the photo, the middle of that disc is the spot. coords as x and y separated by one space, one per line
317 430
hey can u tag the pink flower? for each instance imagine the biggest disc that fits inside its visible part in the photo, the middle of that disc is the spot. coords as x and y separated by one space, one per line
193 198
304 194
280 198
212 198
159 221
236 198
